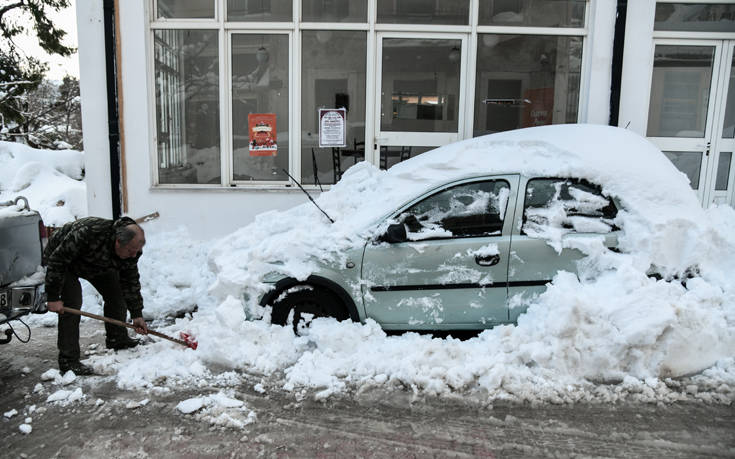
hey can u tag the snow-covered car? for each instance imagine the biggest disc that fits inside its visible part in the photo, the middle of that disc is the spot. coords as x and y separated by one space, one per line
21 276
466 235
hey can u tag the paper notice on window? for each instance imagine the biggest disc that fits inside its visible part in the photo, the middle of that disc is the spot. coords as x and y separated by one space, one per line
332 122
262 129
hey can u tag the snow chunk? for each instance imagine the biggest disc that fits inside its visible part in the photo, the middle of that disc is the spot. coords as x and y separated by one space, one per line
66 397
219 409
190 405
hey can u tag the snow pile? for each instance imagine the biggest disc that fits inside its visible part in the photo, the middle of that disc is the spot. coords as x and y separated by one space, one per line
612 333
173 273
218 409
50 179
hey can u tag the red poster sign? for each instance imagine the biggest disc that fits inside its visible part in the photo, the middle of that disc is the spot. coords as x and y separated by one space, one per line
262 129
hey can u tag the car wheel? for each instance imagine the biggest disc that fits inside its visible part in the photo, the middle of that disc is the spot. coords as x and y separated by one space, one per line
307 304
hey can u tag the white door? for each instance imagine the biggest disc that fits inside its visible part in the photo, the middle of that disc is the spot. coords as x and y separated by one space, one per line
420 93
723 144
688 117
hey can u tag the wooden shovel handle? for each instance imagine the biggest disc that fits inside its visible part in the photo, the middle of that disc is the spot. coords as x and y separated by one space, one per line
123 324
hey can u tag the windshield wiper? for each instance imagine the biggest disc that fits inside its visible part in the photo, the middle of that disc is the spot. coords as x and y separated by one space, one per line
308 195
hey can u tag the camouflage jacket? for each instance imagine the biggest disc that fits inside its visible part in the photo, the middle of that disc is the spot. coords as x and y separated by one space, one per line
86 248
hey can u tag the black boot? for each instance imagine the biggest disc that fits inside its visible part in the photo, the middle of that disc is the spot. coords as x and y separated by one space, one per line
76 366
124 342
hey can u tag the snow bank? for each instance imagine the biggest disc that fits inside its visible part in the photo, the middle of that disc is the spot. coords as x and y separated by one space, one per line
173 273
612 333
50 179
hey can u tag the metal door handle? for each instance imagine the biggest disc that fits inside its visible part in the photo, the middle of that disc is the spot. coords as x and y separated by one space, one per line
488 260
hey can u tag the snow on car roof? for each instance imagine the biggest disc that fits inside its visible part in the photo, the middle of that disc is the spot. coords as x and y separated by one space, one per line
623 163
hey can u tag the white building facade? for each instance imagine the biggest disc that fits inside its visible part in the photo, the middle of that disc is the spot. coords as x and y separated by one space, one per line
218 101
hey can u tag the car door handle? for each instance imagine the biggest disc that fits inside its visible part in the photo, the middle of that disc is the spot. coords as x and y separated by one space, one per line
487 260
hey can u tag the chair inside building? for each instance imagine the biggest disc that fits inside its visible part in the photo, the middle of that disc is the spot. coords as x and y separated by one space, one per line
402 154
336 164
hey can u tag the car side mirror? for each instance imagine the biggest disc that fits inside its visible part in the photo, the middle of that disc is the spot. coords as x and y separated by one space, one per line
395 233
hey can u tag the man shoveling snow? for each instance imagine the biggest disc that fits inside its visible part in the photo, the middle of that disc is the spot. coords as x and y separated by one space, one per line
106 253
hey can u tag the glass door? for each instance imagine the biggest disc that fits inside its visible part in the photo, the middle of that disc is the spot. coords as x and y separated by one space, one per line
685 114
720 184
420 93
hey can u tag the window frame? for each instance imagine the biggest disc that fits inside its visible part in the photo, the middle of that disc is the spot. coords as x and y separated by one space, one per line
229 178
226 29
217 15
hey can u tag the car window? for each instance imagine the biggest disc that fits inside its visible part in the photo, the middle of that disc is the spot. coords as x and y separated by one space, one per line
468 210
569 205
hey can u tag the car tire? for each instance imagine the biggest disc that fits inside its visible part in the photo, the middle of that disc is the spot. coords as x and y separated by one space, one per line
311 301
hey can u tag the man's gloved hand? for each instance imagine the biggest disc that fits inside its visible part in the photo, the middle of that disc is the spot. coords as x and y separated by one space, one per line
55 306
140 326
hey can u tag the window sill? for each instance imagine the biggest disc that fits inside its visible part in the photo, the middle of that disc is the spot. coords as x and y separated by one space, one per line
236 188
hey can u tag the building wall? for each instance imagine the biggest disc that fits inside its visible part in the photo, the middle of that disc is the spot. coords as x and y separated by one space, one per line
637 62
93 88
211 212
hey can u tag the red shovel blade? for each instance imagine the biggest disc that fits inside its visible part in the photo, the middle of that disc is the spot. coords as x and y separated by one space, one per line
189 340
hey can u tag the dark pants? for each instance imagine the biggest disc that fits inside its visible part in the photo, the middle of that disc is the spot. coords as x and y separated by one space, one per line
108 285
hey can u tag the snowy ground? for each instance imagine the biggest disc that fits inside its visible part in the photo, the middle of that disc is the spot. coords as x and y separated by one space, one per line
107 421
621 337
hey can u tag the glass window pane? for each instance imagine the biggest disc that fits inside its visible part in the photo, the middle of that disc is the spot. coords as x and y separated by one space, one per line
184 9
394 154
723 171
695 17
420 85
566 205
260 10
536 13
728 127
454 12
469 210
334 11
259 86
526 80
680 91
332 76
689 162
187 106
